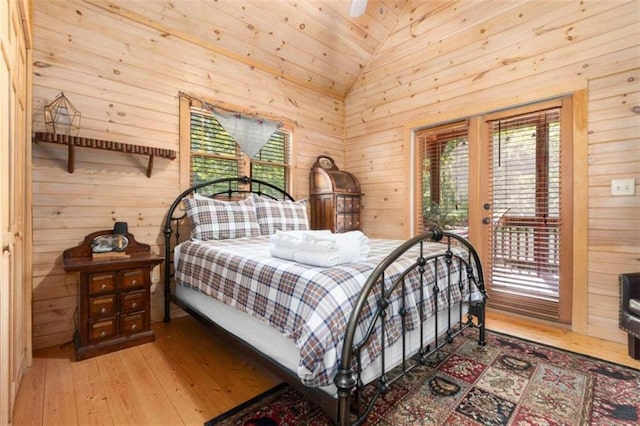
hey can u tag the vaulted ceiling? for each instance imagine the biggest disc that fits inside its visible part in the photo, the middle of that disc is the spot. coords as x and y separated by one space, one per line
314 43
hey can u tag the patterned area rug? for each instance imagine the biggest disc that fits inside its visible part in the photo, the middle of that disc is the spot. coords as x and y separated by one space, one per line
509 381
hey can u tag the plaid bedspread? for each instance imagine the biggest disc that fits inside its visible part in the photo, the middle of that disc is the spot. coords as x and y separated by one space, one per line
310 305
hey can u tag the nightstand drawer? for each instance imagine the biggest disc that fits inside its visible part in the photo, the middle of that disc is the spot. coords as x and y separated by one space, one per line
130 324
102 306
102 330
132 301
101 283
133 279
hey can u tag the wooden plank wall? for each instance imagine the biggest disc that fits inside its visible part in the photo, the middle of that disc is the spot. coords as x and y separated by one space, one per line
444 60
614 221
456 59
125 78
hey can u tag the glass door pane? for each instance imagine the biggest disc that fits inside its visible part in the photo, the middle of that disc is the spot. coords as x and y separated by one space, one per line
444 186
525 191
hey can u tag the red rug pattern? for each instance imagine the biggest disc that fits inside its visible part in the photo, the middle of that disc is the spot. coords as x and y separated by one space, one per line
509 381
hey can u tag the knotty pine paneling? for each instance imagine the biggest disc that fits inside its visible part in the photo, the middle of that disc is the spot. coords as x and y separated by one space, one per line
497 55
314 43
449 60
144 49
125 78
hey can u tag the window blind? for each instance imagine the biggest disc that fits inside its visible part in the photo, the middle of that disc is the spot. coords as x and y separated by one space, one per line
525 188
444 181
271 163
215 154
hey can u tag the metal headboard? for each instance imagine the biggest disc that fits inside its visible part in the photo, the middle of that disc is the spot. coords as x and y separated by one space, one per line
225 188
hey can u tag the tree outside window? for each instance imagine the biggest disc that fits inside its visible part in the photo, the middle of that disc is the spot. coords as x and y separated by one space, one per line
215 154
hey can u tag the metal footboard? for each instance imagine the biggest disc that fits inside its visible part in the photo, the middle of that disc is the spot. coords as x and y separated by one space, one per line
352 409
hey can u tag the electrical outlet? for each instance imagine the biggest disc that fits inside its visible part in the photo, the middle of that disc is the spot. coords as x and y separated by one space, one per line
623 186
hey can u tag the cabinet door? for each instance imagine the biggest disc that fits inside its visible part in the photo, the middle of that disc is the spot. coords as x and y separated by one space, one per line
15 160
323 212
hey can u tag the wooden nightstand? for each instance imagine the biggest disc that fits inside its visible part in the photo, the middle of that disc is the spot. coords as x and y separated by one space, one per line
114 299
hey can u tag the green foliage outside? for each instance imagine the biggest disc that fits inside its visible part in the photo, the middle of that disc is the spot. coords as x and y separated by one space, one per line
452 209
215 155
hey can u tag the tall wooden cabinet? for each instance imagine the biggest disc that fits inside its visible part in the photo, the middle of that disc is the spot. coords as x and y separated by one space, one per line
334 196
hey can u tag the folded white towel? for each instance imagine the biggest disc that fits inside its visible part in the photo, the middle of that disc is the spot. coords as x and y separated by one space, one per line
326 260
320 248
282 252
313 258
295 239
348 242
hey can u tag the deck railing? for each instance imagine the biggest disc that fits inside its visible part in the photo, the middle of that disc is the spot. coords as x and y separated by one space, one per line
527 243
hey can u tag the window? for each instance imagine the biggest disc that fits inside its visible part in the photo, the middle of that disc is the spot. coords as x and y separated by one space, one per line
214 154
271 163
444 187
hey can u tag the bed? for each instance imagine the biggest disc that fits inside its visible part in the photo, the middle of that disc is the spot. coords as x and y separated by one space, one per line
330 331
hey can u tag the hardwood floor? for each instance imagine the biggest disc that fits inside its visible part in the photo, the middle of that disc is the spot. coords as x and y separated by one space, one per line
189 375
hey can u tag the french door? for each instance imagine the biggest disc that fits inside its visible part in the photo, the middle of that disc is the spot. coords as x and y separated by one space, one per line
528 198
503 179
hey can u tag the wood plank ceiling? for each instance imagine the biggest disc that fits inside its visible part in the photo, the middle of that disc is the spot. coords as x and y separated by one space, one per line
313 43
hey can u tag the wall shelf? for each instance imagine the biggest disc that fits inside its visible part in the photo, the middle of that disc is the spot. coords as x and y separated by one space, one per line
74 141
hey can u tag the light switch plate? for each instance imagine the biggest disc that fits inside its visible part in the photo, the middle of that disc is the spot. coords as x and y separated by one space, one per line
623 186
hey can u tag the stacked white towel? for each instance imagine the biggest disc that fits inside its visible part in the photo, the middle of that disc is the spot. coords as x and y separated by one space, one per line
320 248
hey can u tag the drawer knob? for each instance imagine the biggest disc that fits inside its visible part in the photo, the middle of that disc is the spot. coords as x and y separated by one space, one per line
103 333
133 327
103 287
103 310
134 304
133 282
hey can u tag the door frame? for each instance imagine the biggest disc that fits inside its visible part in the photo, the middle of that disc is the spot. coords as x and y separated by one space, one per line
578 197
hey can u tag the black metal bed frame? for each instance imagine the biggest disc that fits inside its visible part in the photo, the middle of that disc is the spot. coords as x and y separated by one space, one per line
351 408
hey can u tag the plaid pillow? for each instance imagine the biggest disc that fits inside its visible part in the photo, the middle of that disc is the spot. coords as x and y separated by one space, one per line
274 215
219 220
